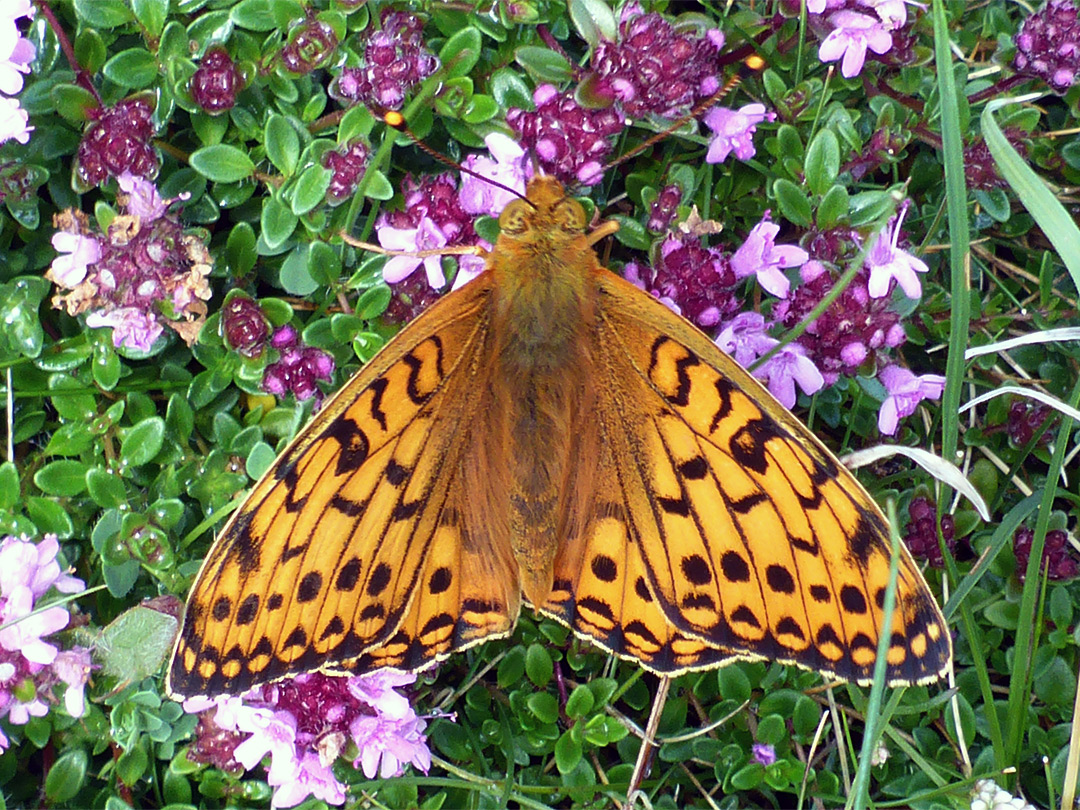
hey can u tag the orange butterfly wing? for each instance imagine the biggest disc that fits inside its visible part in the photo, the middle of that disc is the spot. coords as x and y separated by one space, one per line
353 544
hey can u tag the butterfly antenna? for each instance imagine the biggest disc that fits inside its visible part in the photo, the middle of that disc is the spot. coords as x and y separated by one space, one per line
395 120
751 65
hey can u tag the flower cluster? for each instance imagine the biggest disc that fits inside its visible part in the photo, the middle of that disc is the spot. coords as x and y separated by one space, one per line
1057 560
395 60
569 140
1025 419
16 54
30 666
143 274
433 218
117 142
921 536
243 325
653 68
305 724
299 369
215 83
310 45
987 795
1048 45
347 163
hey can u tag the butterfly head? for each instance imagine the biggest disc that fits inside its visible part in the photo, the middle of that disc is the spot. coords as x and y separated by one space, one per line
545 208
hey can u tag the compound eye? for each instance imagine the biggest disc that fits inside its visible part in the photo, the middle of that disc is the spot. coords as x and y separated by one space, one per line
515 217
569 216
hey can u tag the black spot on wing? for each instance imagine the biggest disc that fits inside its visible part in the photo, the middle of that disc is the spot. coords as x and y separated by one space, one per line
734 567
310 586
222 608
724 389
335 628
696 569
249 608
780 579
693 469
747 445
396 474
348 575
380 578
353 445
378 389
440 580
853 600
604 568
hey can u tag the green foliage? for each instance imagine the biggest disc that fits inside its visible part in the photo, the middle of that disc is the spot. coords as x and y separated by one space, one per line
135 458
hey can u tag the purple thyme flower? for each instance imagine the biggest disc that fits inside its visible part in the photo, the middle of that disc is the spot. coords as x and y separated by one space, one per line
509 164
760 256
886 261
763 754
853 33
906 391
733 131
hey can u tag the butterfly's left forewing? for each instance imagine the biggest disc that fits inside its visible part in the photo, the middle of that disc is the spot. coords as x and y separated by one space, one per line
353 541
752 538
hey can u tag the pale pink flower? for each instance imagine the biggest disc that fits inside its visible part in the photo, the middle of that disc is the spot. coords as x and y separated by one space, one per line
760 256
377 691
886 262
143 198
132 327
733 131
427 236
508 165
78 252
311 778
745 338
906 391
852 35
387 745
786 368
14 122
73 668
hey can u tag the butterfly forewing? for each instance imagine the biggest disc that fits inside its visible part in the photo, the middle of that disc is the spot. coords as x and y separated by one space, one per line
322 562
755 539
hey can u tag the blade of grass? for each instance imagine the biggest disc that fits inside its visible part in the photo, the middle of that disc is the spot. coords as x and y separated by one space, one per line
950 106
1032 192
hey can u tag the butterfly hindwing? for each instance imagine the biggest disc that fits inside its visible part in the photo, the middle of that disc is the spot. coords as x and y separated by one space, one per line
323 561
754 538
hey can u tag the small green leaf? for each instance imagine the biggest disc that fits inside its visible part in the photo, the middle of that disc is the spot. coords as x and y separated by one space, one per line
131 765
538 665
134 644
73 102
134 68
324 263
295 274
120 578
278 224
461 53
9 485
106 365
544 705
793 202
580 702
222 163
143 442
64 478
833 207
594 20
103 13
282 144
310 189
151 15
567 753
511 668
259 460
66 777
373 302
105 488
544 64
822 164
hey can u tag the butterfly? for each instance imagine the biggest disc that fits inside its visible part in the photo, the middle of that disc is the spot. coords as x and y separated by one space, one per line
550 434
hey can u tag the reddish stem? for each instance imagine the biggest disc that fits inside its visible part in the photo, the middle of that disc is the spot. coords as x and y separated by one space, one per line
82 76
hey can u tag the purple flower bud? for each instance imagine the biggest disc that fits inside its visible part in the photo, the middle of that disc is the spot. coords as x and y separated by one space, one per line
244 326
117 141
1048 45
215 82
921 535
310 45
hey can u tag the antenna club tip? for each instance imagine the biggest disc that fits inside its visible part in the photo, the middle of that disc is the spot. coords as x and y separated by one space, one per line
754 62
394 119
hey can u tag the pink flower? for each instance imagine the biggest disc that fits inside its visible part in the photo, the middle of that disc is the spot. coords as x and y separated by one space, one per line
132 327
733 131
386 745
311 778
143 198
14 122
763 754
81 251
759 255
852 35
906 391
508 165
377 691
887 262
745 338
426 236
786 368
73 668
